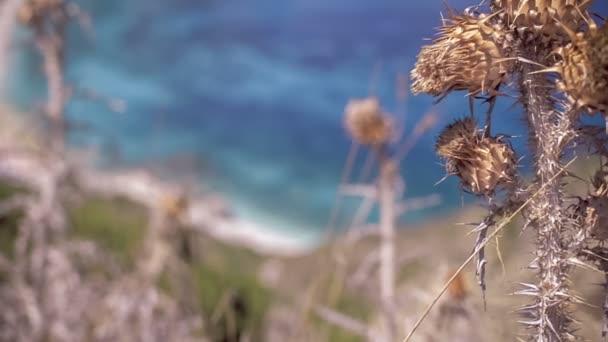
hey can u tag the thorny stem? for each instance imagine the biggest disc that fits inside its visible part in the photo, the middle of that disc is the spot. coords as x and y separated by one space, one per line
487 130
549 133
494 233
480 269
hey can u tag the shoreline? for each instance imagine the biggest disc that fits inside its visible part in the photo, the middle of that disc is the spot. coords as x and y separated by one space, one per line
208 213
24 159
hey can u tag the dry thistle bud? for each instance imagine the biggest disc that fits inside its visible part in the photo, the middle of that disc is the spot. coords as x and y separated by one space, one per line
468 55
366 123
483 164
584 69
458 289
545 18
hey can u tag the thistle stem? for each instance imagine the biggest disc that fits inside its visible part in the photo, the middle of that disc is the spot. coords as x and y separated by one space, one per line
387 247
549 133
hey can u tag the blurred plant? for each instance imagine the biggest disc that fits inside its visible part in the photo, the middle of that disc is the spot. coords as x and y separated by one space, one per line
371 127
48 21
64 289
456 318
518 43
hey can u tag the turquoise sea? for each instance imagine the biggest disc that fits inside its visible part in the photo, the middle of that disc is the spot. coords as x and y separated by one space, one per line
248 96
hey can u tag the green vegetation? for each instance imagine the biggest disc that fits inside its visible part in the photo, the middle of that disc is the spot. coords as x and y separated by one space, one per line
117 225
233 301
225 286
9 223
352 305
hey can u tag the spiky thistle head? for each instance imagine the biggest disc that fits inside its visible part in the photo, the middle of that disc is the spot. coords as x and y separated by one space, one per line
366 122
546 19
584 69
484 164
468 55
455 135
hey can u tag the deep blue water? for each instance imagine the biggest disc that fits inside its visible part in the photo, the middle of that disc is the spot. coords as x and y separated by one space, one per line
255 91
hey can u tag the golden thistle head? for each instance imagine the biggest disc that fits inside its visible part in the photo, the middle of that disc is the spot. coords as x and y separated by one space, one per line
468 55
366 123
543 18
484 164
457 134
584 69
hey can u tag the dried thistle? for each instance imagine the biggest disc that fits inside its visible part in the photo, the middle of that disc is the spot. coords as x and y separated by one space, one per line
483 164
366 123
468 55
546 19
584 69
517 36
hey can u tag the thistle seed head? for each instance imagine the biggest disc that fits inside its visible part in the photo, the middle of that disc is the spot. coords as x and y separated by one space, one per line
584 69
484 164
457 134
366 123
468 55
543 18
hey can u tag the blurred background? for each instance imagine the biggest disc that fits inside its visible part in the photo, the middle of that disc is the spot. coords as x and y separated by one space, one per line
251 93
240 104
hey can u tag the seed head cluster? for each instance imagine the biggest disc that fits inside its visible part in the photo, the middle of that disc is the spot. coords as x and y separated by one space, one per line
544 19
468 55
484 164
584 69
367 123
515 45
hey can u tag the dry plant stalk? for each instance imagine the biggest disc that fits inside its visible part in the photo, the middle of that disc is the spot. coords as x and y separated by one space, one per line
369 126
48 20
522 41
